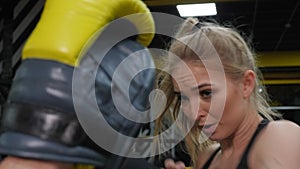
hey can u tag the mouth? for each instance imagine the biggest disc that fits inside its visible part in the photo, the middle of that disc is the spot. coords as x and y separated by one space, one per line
209 128
203 126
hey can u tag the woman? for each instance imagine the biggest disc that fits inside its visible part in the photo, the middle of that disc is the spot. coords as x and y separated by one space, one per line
213 80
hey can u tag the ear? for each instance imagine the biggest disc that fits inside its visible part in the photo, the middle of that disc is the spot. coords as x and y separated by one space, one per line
248 83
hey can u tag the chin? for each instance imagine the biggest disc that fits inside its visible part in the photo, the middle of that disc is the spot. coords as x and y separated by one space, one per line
215 137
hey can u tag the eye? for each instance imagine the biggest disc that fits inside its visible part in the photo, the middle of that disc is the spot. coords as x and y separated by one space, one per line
205 93
181 97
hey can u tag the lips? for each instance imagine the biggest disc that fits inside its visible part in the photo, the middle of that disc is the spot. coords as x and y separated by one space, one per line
206 125
209 128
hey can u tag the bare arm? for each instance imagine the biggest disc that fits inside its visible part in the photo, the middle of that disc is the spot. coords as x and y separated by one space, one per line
11 162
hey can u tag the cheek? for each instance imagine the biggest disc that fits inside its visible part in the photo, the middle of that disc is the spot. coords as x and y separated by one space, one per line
217 104
188 111
185 108
193 107
234 103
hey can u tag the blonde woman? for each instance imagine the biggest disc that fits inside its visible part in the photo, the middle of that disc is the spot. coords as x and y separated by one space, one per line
213 80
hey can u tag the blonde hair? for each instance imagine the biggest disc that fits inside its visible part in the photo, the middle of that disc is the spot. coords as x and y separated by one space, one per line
236 58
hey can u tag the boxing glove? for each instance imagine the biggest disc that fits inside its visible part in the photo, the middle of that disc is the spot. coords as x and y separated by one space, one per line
66 27
39 119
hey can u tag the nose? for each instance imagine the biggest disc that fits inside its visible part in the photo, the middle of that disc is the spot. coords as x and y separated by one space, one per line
198 107
201 115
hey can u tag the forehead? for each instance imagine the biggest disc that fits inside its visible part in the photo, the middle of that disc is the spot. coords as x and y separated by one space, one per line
187 69
189 75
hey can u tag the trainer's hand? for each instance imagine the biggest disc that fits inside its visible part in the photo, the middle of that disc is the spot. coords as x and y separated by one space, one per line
11 162
170 164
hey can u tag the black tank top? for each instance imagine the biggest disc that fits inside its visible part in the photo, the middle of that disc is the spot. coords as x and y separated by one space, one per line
243 163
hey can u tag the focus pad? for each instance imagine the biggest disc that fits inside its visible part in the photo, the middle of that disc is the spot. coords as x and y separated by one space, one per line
123 83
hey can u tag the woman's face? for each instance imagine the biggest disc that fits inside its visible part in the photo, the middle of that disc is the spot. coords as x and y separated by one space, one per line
210 98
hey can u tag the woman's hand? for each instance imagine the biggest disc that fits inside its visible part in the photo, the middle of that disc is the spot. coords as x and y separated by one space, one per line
171 164
11 162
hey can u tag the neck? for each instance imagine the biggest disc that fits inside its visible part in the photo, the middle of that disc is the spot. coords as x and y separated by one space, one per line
237 143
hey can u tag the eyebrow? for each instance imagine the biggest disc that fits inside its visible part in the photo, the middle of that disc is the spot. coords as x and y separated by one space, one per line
194 88
177 93
200 86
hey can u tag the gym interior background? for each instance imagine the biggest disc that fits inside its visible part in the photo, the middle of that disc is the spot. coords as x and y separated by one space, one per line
273 26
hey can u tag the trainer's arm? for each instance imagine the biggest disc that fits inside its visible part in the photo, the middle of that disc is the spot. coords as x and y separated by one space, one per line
11 162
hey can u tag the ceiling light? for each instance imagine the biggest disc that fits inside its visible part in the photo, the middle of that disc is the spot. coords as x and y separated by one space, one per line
205 9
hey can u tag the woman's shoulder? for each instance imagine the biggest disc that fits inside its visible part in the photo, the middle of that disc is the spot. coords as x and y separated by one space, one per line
279 141
281 128
280 131
283 123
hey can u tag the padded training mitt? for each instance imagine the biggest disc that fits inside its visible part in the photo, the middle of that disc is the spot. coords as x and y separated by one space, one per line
67 26
39 120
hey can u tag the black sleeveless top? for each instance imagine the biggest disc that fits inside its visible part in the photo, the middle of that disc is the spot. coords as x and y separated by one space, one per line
243 163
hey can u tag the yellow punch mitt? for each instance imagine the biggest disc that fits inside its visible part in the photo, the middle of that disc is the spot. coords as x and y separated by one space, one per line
66 26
